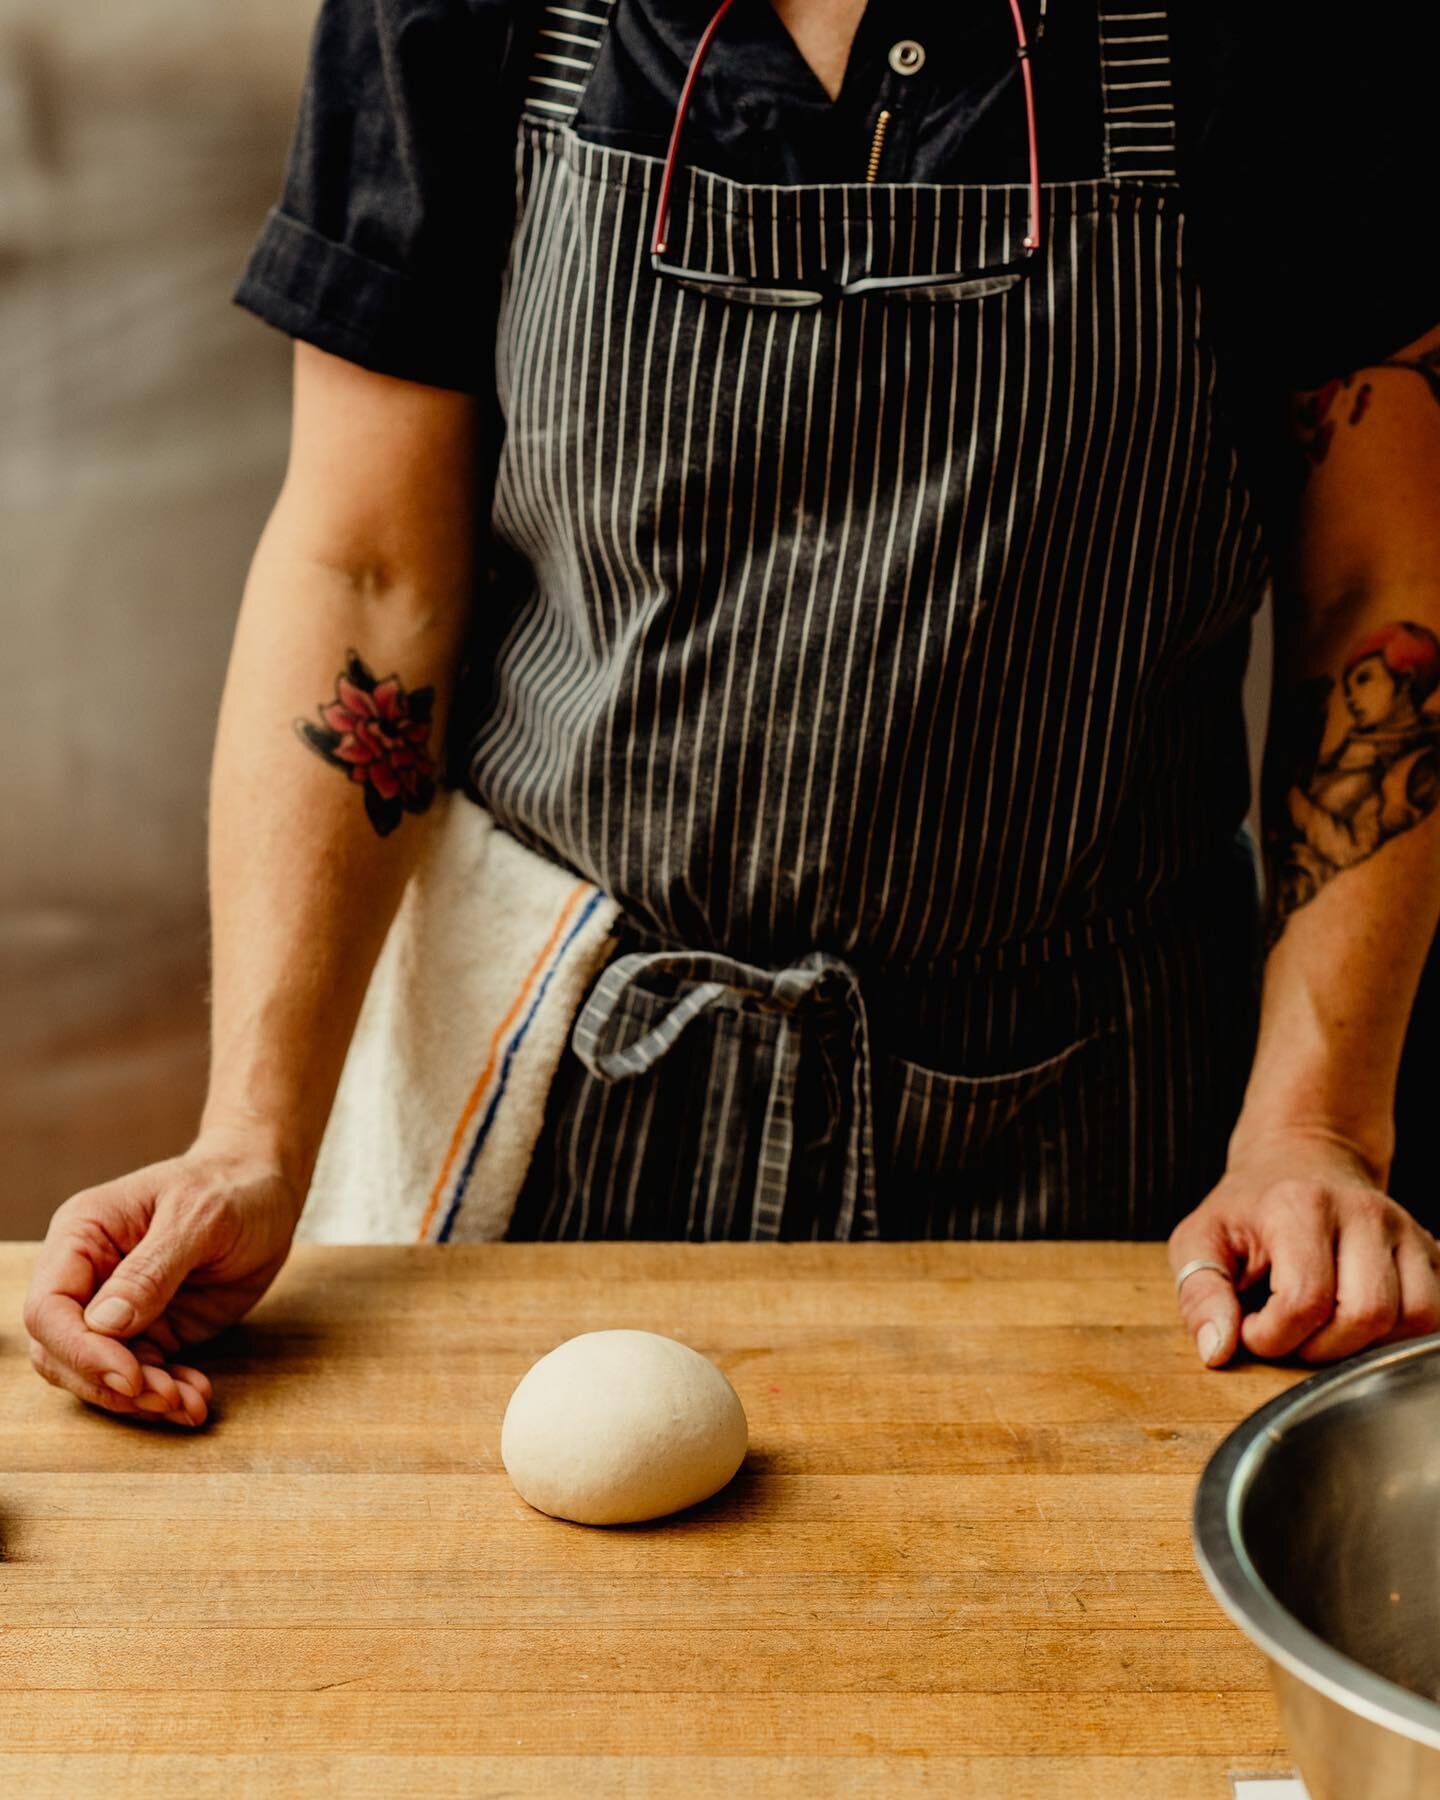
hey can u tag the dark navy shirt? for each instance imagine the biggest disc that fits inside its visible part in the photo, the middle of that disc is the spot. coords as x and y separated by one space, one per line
1305 154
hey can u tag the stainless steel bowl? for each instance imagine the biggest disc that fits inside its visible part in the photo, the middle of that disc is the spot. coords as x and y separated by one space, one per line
1317 1526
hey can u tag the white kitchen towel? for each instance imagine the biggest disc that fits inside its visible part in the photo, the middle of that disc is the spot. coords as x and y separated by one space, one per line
491 953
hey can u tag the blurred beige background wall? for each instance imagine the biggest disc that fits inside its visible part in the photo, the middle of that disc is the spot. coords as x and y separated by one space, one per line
142 438
143 423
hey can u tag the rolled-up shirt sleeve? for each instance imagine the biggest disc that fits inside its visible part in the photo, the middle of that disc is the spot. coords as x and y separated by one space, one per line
385 242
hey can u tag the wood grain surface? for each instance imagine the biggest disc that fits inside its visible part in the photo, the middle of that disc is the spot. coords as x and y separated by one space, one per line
955 1561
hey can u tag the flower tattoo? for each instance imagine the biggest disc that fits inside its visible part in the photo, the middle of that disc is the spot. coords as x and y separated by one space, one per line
378 735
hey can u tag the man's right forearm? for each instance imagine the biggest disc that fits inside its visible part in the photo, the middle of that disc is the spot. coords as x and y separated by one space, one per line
321 798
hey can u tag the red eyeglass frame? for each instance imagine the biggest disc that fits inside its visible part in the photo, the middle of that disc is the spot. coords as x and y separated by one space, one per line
899 284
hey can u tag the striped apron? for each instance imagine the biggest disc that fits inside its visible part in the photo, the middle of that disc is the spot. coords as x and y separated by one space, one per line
883 661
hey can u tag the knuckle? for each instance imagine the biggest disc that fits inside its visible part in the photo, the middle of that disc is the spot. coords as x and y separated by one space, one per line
1423 1317
1370 1315
1200 1296
91 1237
1200 1234
140 1280
1310 1303
77 1203
1377 1211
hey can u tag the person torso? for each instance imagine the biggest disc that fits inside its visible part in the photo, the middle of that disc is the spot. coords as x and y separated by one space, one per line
895 628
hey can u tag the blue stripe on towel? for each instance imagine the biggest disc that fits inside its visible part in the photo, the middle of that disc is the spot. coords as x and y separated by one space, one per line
483 1130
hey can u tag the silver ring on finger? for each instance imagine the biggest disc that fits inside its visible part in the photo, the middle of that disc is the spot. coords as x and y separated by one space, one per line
1194 1266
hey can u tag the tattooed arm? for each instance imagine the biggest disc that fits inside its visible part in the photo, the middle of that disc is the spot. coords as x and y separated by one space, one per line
335 701
350 628
1349 792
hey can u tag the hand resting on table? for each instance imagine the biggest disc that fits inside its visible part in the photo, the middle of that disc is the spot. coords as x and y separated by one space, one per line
1348 1267
190 1244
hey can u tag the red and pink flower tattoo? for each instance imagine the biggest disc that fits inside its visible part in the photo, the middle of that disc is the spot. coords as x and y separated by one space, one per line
378 735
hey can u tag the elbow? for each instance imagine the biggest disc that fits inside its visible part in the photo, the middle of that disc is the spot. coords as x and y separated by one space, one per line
423 592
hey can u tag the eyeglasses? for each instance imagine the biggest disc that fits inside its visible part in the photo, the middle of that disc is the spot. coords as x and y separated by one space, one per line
963 284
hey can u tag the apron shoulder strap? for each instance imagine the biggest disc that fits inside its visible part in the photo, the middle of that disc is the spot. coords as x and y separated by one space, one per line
1137 90
564 42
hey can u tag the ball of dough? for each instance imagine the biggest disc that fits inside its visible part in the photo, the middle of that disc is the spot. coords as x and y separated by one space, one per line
616 1426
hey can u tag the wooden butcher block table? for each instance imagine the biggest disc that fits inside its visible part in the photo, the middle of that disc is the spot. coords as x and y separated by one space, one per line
955 1561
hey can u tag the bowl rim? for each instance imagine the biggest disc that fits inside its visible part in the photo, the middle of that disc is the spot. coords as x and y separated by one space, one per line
1236 1583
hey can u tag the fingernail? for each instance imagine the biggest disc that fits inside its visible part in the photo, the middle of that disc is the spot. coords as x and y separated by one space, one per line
119 1383
1207 1340
111 1314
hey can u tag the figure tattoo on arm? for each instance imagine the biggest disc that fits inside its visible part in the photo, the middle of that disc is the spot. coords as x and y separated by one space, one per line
1328 807
1317 411
378 735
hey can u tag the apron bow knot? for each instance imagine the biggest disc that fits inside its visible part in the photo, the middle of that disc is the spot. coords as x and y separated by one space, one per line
817 984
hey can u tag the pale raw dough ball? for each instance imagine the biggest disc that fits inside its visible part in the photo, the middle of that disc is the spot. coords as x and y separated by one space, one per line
615 1426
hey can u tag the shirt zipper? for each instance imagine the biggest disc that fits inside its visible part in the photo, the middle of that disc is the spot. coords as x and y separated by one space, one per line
877 146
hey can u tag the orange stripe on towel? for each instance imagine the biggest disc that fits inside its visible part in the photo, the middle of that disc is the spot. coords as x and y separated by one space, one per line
577 894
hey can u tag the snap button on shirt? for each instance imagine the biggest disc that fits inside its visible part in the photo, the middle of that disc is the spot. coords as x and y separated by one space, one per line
907 56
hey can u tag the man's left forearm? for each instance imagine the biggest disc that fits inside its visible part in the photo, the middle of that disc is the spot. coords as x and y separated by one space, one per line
1352 858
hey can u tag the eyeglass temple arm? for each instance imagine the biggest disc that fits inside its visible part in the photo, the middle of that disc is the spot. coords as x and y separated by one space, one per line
660 240
1032 237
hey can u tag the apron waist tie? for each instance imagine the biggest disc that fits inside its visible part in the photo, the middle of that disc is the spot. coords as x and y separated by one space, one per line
818 981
